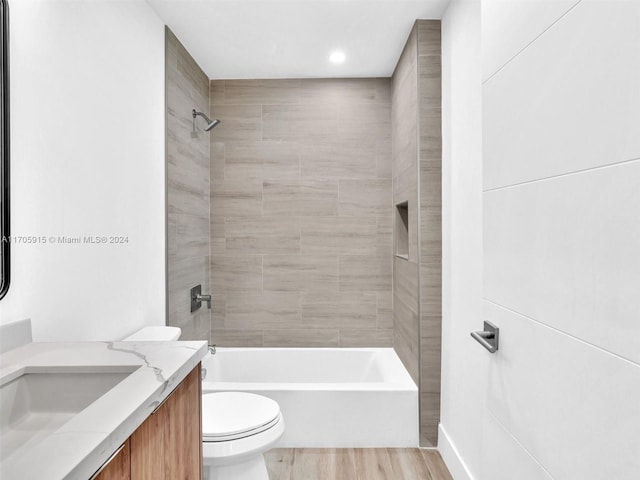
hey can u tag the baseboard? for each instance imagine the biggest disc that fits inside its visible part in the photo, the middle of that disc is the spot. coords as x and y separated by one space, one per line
451 456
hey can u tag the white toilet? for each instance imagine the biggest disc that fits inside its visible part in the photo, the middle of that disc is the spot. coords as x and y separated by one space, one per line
237 427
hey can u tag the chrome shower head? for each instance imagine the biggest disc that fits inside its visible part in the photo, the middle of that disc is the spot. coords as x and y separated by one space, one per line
210 123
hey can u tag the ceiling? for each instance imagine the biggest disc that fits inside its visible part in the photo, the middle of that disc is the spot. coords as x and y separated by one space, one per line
234 39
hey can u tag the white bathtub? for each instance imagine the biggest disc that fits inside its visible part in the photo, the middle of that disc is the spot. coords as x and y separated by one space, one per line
330 397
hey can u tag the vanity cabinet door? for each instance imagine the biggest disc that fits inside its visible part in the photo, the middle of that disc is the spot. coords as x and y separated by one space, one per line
168 445
118 467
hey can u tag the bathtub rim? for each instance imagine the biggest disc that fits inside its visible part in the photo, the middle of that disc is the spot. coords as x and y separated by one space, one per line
405 384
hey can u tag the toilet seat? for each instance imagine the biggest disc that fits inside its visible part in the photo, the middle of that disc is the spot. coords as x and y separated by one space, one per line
230 416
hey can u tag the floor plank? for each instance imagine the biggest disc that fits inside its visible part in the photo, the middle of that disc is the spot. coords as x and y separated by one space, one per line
436 465
355 464
372 463
280 463
408 464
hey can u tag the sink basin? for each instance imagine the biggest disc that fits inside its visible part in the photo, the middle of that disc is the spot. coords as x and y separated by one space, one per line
38 401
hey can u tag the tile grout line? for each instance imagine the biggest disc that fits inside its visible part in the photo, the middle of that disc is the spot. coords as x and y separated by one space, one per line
531 42
515 439
567 334
561 175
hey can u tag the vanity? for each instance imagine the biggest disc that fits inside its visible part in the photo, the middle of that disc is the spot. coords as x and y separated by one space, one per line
101 410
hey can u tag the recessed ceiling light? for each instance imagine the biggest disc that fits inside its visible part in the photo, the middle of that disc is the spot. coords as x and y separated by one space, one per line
337 57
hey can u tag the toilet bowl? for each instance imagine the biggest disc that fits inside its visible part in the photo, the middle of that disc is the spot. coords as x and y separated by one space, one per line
237 427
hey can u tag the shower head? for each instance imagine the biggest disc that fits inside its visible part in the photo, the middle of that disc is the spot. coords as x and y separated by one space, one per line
210 123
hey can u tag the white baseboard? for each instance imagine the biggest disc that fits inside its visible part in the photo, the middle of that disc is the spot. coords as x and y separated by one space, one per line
451 456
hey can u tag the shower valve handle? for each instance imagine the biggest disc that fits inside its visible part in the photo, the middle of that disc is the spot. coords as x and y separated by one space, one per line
197 297
204 298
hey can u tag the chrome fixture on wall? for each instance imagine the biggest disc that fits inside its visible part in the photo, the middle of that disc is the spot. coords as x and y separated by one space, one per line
210 123
488 338
197 298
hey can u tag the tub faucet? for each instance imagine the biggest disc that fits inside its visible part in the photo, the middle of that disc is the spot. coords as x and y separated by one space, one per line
204 298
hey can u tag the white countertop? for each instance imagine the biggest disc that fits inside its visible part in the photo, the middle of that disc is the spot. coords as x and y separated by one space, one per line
80 446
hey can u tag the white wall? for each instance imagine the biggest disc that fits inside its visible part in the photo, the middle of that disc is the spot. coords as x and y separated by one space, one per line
561 154
561 219
464 363
87 105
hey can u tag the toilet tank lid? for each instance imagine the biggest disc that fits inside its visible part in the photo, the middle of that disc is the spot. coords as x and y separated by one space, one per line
155 334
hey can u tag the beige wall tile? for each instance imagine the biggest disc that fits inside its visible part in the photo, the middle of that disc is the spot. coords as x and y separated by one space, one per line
406 282
216 93
365 197
192 236
254 235
430 82
430 186
262 159
429 418
225 337
361 123
383 90
218 308
218 236
365 273
237 198
406 337
339 310
431 284
239 122
385 310
261 92
187 185
430 354
292 273
236 273
172 235
338 236
366 338
384 158
301 338
183 274
296 156
384 235
217 154
340 91
429 37
264 310
299 122
306 197
416 94
335 158
188 172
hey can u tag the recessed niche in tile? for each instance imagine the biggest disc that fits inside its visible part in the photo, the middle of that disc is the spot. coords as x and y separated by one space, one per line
402 230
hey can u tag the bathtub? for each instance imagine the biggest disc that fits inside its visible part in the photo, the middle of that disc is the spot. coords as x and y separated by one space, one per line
329 397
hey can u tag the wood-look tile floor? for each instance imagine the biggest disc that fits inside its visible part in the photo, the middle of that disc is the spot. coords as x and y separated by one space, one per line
355 464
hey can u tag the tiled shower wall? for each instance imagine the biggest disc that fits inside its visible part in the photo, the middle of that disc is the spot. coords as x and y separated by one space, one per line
301 200
430 245
417 159
187 87
405 189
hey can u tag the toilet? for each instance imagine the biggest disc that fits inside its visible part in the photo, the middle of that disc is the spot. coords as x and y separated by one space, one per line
237 427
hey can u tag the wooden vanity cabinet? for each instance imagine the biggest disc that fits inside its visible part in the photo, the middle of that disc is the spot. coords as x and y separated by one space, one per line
168 445
118 467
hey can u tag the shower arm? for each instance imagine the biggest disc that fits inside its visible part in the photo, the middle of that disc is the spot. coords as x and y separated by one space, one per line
194 113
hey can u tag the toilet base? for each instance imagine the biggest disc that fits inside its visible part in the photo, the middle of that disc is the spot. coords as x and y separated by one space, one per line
254 468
